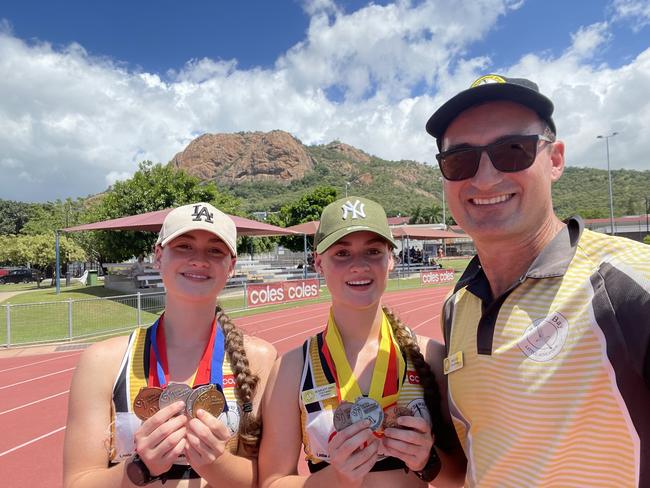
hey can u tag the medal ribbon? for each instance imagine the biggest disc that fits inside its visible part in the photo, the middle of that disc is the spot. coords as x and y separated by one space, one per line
210 365
387 373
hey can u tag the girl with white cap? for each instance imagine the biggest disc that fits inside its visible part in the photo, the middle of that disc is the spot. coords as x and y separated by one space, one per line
177 402
359 396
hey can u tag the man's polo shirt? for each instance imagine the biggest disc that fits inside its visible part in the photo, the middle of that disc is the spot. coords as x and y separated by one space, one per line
553 388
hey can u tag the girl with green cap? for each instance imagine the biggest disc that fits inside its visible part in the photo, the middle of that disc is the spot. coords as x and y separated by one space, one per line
360 396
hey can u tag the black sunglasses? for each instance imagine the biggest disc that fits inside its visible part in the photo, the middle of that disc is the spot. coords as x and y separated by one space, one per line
509 155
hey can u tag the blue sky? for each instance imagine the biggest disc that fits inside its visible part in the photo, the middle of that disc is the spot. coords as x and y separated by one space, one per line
87 89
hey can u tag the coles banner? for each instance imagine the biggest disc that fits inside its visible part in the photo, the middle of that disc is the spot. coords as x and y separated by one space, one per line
436 276
281 292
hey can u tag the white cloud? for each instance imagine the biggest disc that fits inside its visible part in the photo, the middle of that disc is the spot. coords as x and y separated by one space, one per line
74 124
636 12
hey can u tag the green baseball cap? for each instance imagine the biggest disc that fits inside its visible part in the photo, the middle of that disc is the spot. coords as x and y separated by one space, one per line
348 215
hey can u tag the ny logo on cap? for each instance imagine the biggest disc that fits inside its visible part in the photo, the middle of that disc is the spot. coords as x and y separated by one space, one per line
357 209
199 214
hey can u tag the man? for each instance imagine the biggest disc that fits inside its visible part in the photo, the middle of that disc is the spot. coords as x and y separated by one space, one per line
548 330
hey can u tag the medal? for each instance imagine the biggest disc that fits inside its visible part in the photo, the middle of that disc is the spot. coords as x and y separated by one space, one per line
387 374
369 409
173 393
392 414
210 400
363 408
342 416
146 403
210 368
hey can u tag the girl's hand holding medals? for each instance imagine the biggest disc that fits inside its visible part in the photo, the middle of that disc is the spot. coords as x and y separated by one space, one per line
162 438
409 440
353 452
206 439
180 420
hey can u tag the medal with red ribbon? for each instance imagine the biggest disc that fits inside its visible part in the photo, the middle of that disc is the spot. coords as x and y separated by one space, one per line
210 368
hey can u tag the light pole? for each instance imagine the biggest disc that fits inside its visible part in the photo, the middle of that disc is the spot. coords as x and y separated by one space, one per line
647 212
444 216
609 176
347 184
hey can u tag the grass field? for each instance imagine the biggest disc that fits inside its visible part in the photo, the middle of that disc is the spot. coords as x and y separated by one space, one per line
43 316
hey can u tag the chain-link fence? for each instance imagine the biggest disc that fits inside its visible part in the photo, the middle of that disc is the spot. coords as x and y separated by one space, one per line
32 323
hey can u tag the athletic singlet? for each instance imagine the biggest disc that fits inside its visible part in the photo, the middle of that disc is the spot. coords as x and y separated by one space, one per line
318 400
132 376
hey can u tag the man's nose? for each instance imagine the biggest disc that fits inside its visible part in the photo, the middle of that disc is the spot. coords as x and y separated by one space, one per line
487 175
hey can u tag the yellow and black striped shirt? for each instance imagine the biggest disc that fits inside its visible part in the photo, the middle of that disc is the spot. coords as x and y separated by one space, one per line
554 387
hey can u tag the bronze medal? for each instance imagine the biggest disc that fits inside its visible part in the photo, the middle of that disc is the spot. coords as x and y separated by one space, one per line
211 400
146 403
191 398
391 415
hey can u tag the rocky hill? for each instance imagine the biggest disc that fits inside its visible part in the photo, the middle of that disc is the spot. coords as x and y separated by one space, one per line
269 169
245 156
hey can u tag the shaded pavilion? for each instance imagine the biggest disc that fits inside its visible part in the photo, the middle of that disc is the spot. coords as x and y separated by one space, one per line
152 222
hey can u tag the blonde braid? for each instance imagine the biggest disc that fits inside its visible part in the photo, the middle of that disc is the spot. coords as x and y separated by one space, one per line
430 389
250 427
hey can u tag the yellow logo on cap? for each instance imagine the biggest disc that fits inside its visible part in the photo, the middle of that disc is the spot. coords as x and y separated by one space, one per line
484 80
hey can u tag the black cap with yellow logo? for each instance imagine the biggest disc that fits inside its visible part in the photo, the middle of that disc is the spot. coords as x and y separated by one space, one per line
490 88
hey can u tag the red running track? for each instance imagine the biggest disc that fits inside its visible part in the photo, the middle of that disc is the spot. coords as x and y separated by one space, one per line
34 389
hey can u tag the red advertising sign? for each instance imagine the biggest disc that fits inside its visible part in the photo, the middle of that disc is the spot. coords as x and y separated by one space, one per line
436 276
281 292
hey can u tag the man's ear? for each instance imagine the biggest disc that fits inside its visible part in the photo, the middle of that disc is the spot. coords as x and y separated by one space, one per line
557 160
231 268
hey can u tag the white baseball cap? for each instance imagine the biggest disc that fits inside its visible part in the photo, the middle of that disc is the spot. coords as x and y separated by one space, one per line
199 216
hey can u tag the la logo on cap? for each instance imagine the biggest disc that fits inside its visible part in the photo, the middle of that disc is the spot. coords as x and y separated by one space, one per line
357 209
200 214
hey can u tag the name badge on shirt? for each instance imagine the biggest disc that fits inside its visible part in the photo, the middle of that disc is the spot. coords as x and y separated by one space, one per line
319 393
453 362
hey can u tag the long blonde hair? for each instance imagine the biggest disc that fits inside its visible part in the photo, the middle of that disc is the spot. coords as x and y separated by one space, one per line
250 426
408 344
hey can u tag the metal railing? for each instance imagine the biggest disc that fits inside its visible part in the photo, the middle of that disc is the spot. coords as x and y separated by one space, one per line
34 323
43 322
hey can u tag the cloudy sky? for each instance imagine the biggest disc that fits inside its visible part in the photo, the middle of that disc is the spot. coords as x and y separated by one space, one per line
89 89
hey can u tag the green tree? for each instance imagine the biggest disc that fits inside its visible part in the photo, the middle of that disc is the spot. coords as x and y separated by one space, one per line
646 239
152 187
13 216
305 209
426 215
51 216
630 208
38 251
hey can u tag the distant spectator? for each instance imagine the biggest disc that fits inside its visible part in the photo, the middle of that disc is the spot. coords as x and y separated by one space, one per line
138 267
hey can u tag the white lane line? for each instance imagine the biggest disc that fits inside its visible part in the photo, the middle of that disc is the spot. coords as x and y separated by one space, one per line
427 320
304 332
36 439
38 362
320 327
34 402
37 378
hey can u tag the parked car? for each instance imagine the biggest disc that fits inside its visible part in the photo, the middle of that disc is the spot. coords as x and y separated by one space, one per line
23 275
